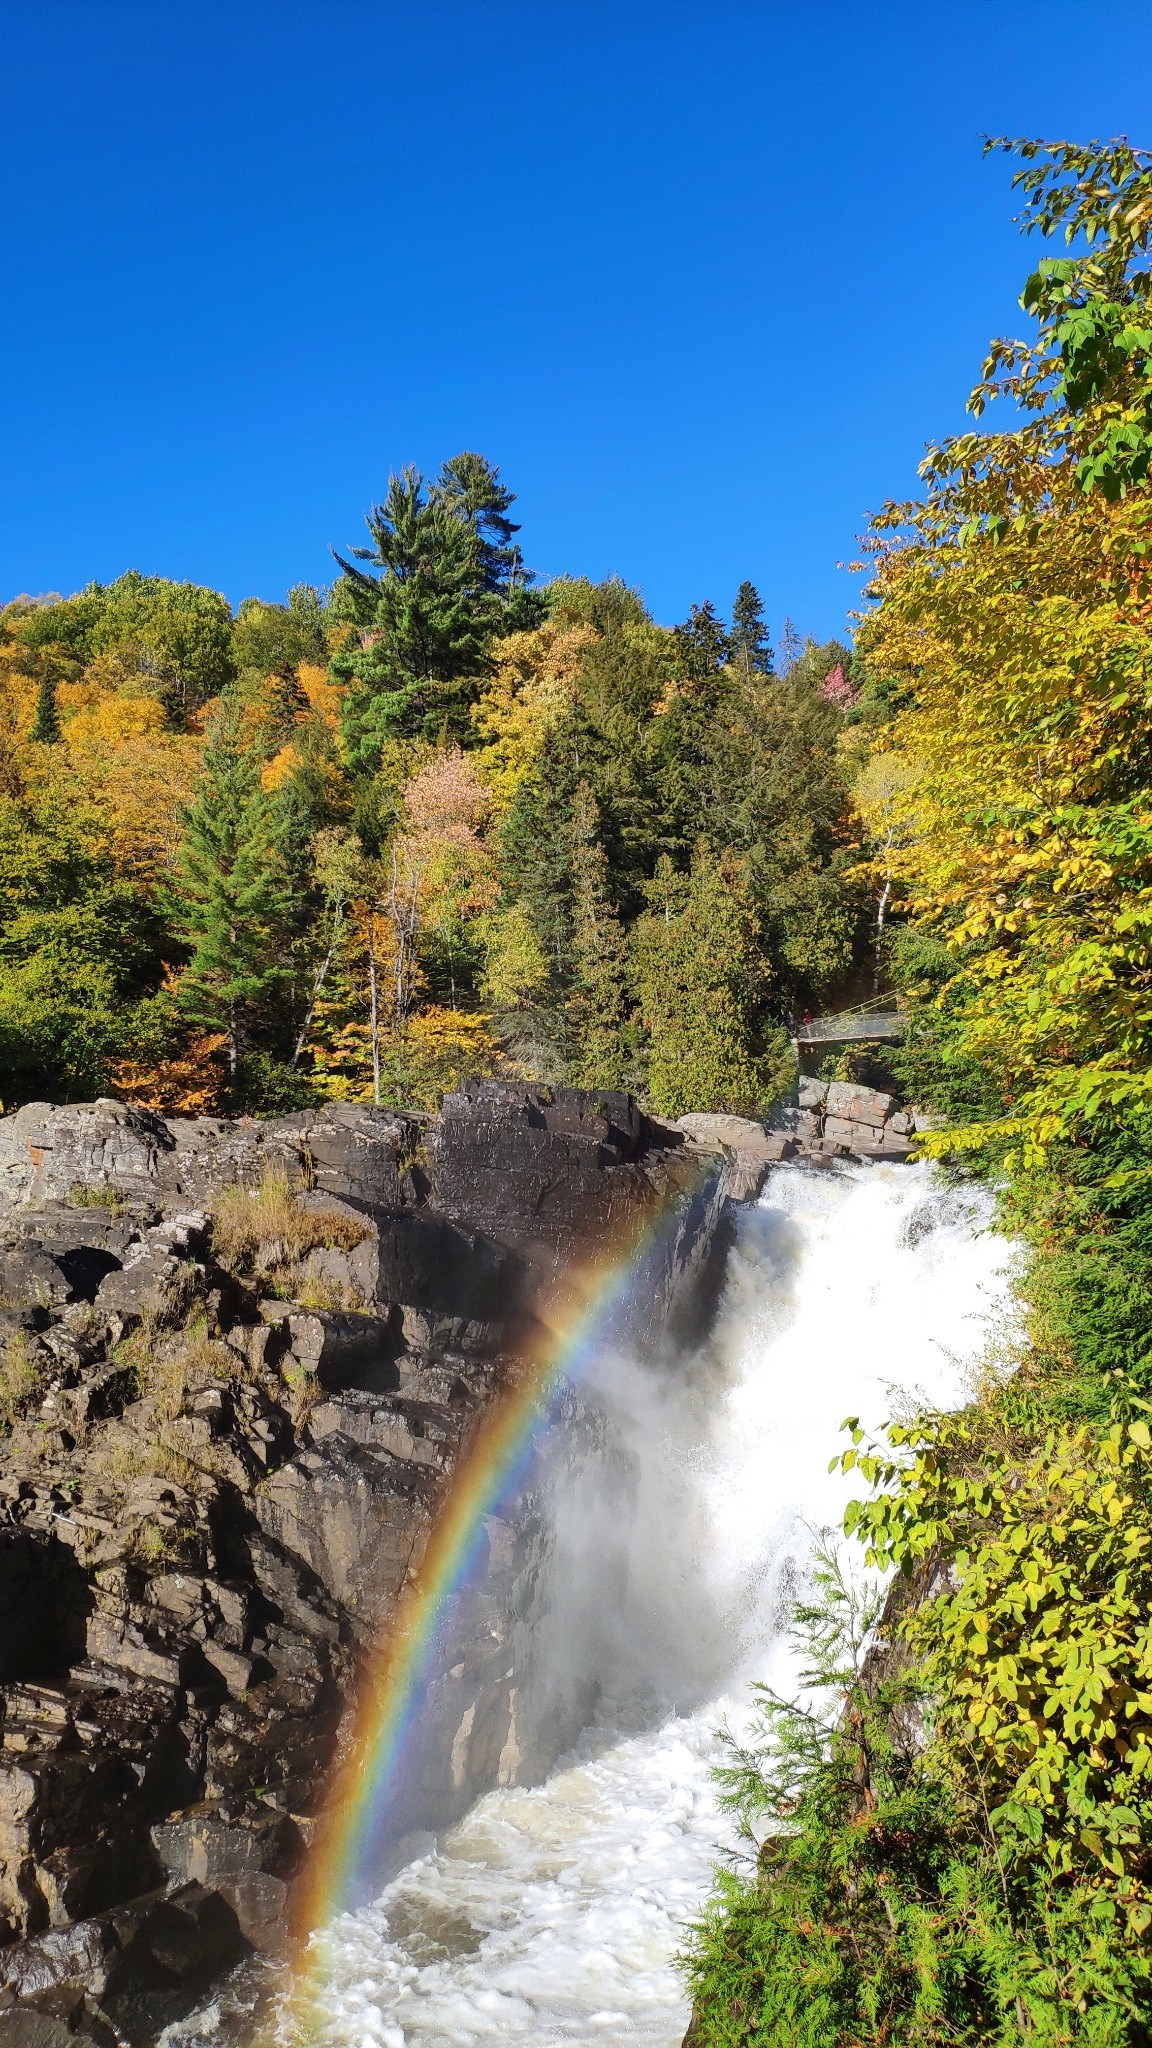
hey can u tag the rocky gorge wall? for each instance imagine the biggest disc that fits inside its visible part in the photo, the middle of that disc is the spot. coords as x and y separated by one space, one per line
241 1363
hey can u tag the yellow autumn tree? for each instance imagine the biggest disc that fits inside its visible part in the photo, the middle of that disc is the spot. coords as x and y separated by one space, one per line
375 1035
533 682
1011 619
1020 817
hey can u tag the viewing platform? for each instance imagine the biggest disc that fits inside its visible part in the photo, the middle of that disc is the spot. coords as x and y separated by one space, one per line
877 1021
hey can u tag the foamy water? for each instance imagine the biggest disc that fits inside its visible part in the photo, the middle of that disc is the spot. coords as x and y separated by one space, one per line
552 1915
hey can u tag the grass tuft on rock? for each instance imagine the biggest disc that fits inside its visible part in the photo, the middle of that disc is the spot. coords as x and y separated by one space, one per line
21 1379
262 1229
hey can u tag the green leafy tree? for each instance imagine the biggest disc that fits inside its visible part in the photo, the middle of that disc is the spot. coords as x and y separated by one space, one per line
66 625
80 947
180 634
269 637
870 1900
1086 379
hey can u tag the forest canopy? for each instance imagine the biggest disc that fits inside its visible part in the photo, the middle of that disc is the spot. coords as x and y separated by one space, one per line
432 820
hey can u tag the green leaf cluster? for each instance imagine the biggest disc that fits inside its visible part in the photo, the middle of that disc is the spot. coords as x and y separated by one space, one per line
872 1901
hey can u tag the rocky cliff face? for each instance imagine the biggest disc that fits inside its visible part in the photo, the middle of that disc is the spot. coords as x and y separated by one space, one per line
239 1365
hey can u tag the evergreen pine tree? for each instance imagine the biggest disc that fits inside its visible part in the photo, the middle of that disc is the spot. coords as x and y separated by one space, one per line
597 1003
790 649
422 624
234 899
751 649
471 488
703 983
46 724
701 642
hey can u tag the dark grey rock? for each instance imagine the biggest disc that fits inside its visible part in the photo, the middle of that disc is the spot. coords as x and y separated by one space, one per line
249 1862
24 2027
76 1955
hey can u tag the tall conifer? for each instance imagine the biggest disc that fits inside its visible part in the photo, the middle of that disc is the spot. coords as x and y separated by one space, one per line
597 1003
46 724
751 648
233 894
703 983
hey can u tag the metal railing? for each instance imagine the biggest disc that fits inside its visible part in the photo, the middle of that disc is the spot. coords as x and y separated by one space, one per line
878 1019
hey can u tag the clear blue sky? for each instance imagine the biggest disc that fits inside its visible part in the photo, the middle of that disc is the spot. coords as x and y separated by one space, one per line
701 277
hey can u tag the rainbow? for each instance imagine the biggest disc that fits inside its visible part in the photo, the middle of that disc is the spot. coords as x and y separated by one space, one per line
494 1469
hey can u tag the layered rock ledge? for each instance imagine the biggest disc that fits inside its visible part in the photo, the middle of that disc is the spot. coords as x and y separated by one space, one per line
240 1362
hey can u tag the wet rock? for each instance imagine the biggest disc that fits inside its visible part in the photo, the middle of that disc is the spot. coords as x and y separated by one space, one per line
752 1148
186 1938
249 1861
76 1956
27 2028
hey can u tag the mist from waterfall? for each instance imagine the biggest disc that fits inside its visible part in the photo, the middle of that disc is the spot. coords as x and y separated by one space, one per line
552 1914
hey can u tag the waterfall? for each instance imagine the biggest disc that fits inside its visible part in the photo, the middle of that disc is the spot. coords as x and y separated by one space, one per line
552 1914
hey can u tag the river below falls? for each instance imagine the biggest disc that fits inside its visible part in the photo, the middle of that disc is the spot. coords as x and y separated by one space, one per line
552 1915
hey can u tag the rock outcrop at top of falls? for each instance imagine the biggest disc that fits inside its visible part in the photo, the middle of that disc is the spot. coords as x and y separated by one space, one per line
226 1421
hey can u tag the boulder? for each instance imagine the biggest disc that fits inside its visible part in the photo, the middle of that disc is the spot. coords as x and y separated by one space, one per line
753 1149
30 1278
858 1105
77 1956
841 1131
424 1432
46 1153
342 1349
812 1094
248 1861
538 1170
885 1144
24 2027
867 1141
186 1938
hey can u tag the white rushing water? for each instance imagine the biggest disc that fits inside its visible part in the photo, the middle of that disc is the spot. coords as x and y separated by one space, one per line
552 1915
